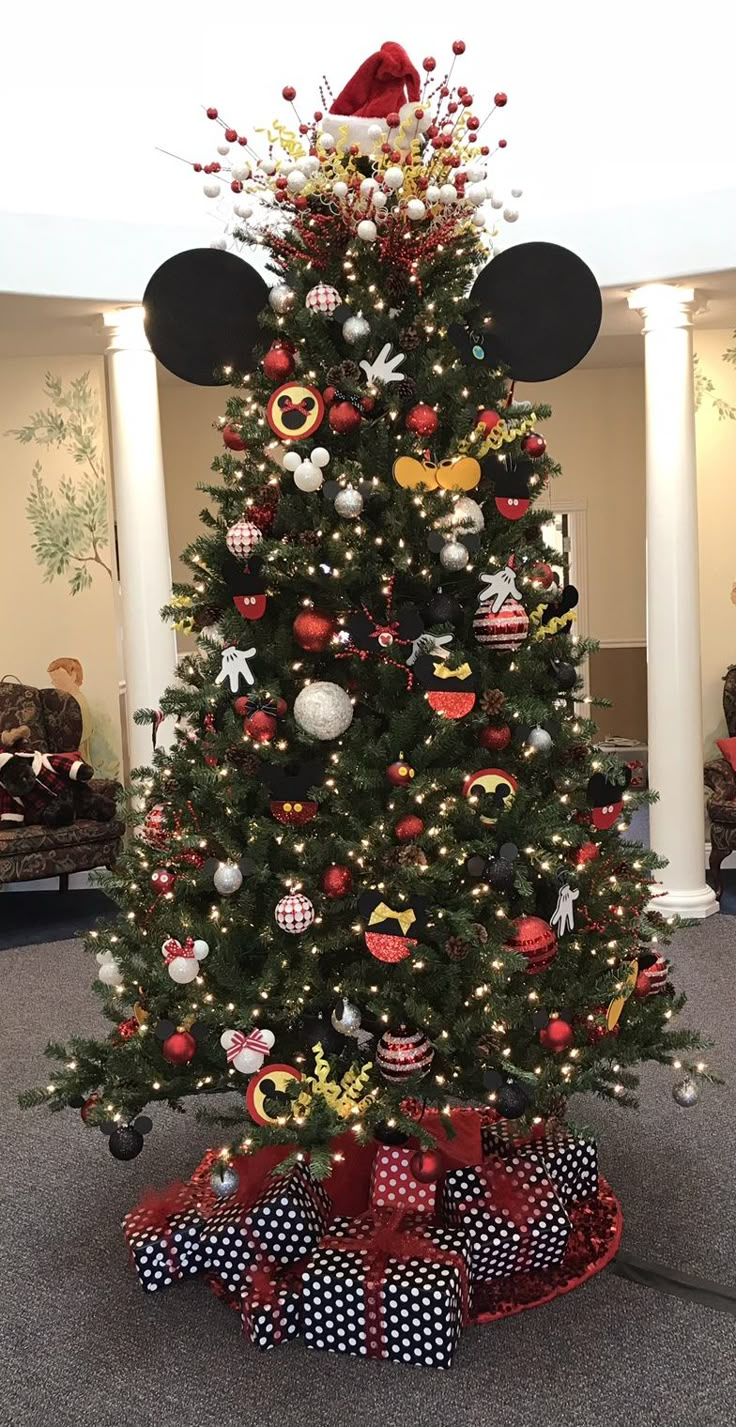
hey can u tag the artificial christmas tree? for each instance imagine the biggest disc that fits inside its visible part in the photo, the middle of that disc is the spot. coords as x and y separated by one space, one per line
382 799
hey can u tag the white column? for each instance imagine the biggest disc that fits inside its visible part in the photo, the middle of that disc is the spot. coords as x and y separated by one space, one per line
673 600
149 646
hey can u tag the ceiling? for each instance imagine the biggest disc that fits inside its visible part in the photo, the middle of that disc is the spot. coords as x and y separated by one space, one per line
46 327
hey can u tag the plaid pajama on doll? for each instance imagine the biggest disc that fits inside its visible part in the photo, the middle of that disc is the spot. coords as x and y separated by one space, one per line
52 773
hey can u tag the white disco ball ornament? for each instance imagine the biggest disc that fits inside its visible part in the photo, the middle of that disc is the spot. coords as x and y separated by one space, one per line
228 879
323 298
367 187
211 190
511 214
323 710
242 538
281 299
294 913
349 503
356 329
379 199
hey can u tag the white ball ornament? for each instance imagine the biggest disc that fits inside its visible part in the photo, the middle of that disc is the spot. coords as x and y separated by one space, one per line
228 879
294 913
183 969
379 200
476 173
496 202
246 1051
308 477
516 192
349 503
109 972
478 219
327 141
308 165
416 210
476 194
296 181
241 170
267 165
393 178
340 189
320 457
539 740
367 230
511 214
323 710
448 193
367 187
223 149
454 555
375 131
292 461
432 193
356 329
244 211
211 190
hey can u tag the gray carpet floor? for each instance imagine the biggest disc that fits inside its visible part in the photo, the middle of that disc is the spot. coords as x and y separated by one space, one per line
84 1345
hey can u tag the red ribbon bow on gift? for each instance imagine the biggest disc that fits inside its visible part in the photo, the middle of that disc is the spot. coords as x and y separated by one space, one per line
173 948
388 1240
253 1040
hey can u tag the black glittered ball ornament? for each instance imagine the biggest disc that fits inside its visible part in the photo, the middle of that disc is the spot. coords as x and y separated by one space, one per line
125 1143
443 609
512 1100
565 674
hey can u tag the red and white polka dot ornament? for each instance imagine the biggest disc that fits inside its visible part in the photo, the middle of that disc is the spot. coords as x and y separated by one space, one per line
294 913
505 630
242 538
323 298
403 1054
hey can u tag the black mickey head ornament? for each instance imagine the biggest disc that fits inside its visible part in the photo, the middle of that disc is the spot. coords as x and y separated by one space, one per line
126 1141
289 788
535 308
497 868
606 799
201 312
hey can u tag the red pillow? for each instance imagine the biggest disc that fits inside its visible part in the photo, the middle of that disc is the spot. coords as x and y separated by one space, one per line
728 749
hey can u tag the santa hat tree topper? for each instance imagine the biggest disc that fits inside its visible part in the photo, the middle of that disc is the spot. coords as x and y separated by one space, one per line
383 94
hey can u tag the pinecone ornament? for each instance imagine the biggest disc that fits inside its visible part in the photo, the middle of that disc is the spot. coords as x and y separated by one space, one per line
406 391
244 761
206 615
411 337
345 373
492 702
405 857
456 948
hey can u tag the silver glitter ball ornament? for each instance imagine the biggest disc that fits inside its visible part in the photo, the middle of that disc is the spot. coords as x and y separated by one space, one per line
356 329
454 555
346 1018
224 1180
539 740
323 710
349 503
228 879
685 1092
282 298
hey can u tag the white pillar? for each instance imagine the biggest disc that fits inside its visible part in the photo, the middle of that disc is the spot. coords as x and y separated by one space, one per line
149 646
673 600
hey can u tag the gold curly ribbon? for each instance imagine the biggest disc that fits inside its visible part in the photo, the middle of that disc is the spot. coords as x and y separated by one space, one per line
555 626
344 1096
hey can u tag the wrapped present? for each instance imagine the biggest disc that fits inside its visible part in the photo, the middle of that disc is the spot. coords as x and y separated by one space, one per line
281 1226
570 1161
393 1185
511 1212
387 1286
271 1305
164 1252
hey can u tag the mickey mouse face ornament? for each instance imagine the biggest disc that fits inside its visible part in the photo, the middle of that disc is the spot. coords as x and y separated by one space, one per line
606 799
295 411
493 789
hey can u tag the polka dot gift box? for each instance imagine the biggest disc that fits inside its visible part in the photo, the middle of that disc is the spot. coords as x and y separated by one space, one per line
271 1306
512 1214
394 1185
163 1255
381 1290
285 1223
570 1162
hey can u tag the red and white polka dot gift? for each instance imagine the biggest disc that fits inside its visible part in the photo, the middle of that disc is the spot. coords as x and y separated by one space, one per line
394 1185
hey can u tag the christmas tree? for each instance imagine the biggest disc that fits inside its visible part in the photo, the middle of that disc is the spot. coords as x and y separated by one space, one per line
380 870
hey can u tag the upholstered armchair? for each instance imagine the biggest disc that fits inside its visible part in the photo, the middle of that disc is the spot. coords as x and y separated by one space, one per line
721 779
28 852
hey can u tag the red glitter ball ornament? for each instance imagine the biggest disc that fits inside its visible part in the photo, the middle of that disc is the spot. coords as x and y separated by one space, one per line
542 574
127 1029
557 1036
534 445
393 120
422 419
399 773
533 938
336 881
180 1048
231 135
313 630
488 419
409 827
288 92
458 47
587 853
427 1166
211 113
344 418
429 63
502 143
232 440
278 363
495 737
500 100
261 727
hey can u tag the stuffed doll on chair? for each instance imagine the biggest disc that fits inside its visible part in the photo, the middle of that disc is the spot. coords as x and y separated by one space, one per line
45 788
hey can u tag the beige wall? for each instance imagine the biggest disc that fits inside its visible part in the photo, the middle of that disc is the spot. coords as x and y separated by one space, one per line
190 446
55 495
716 444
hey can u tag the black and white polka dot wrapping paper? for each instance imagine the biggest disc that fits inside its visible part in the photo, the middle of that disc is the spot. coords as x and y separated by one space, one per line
285 1223
570 1161
532 1235
421 1301
273 1318
163 1256
394 1185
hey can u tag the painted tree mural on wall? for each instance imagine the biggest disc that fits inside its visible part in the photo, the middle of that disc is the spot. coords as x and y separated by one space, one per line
70 519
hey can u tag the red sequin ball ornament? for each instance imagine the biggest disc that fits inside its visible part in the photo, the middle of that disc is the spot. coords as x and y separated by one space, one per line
336 881
278 363
422 419
495 737
488 419
313 630
408 828
261 727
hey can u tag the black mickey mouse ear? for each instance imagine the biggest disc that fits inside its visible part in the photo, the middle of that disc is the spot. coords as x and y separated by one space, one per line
545 309
201 311
164 1029
476 866
436 541
199 1031
493 1080
143 1125
508 851
541 1019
